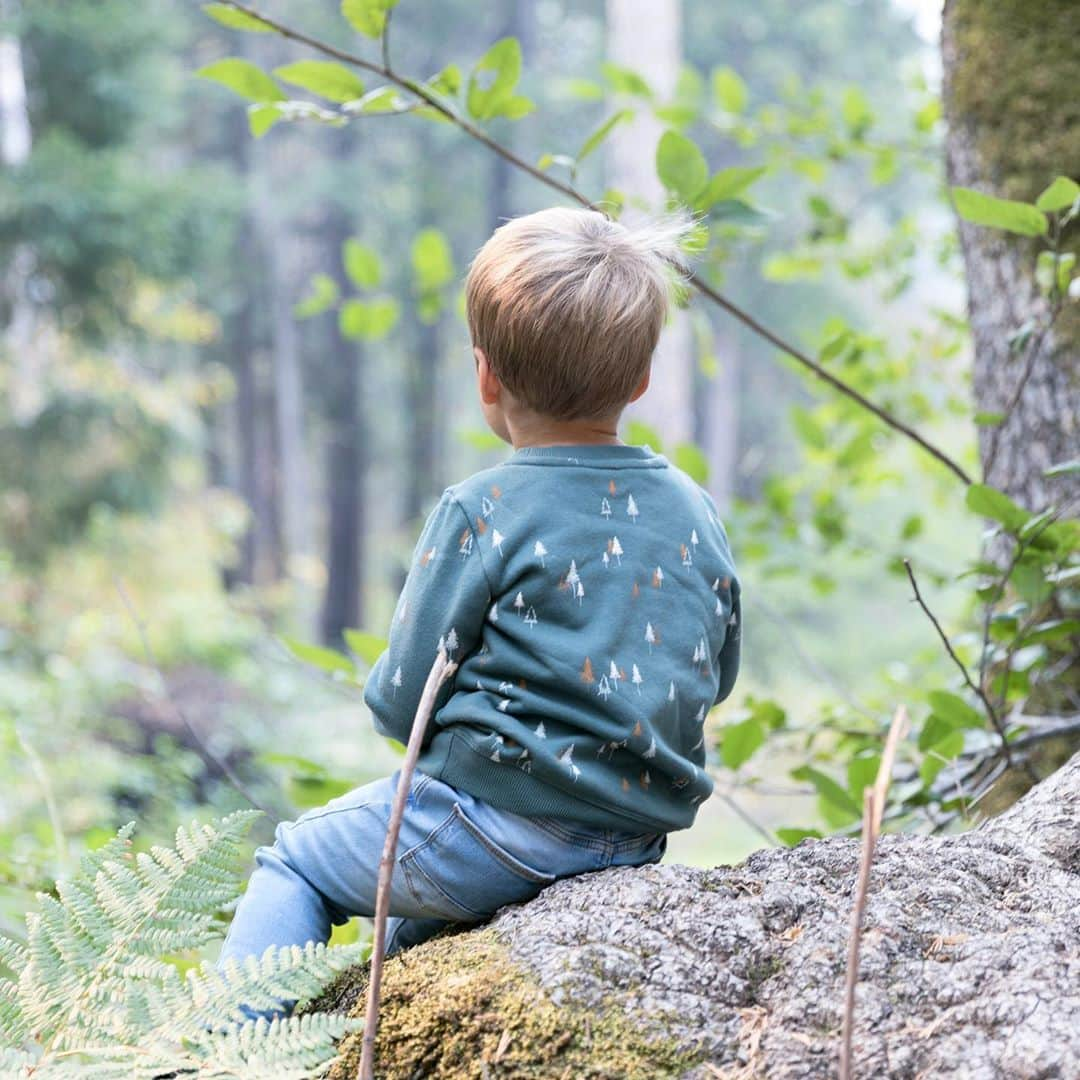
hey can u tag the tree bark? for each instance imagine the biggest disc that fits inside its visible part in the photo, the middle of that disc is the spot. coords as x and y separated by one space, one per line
968 966
347 454
1012 127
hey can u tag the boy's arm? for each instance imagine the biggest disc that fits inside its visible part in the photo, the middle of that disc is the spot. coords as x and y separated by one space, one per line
445 598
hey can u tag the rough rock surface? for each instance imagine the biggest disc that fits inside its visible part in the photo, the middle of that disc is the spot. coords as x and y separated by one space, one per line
970 965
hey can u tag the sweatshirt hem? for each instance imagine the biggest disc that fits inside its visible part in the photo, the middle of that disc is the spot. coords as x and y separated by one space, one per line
509 788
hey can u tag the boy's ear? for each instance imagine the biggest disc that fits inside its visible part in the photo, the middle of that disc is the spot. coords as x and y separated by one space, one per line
643 385
488 381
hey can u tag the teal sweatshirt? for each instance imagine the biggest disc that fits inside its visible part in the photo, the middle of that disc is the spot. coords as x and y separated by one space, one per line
588 596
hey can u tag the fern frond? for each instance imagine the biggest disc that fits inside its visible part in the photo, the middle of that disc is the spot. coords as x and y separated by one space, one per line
286 1049
95 985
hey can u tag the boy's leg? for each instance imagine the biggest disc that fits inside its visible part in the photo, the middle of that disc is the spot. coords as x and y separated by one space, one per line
323 869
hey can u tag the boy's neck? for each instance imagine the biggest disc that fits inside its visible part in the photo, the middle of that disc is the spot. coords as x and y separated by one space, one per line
540 431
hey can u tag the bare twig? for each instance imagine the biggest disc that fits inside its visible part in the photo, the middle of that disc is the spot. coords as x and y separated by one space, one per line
748 818
991 712
733 309
873 810
1034 351
441 670
220 763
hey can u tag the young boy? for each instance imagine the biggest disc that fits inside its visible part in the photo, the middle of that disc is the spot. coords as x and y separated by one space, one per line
585 590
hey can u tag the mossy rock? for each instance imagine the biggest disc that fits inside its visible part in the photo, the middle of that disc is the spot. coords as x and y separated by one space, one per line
968 956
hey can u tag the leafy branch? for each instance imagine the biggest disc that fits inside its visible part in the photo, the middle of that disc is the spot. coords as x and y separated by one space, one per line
436 104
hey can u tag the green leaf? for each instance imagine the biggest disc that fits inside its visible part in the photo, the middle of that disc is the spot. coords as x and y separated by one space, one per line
692 461
328 660
790 836
792 266
940 754
861 774
729 184
856 112
367 16
1014 217
330 80
912 527
368 647
368 320
838 807
729 90
261 118
740 741
492 83
322 295
481 439
680 165
768 713
934 729
638 433
361 264
989 419
448 81
996 505
1062 193
955 710
582 89
602 132
432 262
625 81
243 78
1053 630
235 19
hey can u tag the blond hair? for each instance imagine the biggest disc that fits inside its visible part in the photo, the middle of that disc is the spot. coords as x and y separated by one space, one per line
568 304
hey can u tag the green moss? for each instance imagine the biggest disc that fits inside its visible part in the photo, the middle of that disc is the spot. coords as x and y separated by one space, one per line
1014 83
449 1005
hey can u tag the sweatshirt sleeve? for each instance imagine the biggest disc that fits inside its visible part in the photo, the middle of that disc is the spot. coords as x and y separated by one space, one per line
729 651
445 599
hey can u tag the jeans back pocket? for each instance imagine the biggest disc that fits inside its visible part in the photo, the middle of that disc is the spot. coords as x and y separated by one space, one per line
458 872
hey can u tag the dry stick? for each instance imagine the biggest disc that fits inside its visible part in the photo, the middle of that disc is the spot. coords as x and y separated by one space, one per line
474 132
873 810
441 670
226 769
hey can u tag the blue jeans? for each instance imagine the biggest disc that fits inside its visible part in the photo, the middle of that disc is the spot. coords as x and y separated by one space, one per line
459 860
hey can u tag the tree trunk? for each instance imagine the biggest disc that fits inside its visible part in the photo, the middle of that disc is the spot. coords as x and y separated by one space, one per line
644 35
1013 125
968 966
346 455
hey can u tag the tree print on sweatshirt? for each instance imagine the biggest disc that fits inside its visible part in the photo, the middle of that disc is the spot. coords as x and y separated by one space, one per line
631 509
540 552
566 758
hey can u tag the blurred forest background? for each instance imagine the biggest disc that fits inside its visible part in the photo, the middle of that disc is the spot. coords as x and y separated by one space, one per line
235 375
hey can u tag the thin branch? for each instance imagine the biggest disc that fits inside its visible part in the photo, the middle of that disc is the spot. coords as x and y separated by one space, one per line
1034 350
873 811
220 763
733 309
441 670
991 712
748 818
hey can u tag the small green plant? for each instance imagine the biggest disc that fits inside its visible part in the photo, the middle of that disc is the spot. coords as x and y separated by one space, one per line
94 991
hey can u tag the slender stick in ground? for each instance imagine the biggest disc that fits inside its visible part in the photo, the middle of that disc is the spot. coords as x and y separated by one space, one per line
436 103
220 763
873 810
441 670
